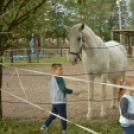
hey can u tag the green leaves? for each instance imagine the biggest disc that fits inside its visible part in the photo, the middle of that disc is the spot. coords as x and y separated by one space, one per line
81 1
15 10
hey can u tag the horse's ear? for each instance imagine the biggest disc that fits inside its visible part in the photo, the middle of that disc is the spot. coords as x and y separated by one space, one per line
81 27
67 28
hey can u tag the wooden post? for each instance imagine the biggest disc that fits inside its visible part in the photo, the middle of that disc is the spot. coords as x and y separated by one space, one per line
111 35
129 50
11 54
123 40
103 38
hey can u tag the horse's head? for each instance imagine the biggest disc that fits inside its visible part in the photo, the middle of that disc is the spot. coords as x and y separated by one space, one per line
75 41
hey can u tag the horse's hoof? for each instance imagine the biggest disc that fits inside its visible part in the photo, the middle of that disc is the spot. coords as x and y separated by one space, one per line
90 117
104 115
112 107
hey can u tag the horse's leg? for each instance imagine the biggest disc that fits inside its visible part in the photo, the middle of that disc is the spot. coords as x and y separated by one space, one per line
103 104
90 96
113 96
115 90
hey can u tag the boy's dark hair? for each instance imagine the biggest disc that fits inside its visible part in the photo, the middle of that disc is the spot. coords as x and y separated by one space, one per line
54 66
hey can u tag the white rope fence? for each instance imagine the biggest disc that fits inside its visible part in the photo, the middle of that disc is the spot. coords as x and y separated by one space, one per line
37 106
71 78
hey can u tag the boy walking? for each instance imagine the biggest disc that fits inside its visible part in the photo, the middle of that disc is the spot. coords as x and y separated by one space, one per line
58 96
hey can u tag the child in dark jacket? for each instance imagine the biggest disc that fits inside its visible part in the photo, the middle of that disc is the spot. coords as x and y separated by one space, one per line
127 106
58 96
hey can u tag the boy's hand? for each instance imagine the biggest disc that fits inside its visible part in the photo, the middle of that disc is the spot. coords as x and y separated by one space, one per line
77 93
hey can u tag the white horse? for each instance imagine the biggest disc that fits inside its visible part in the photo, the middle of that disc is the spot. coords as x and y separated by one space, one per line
106 60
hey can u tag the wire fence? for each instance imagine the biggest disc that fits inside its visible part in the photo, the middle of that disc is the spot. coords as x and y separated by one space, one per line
37 91
30 81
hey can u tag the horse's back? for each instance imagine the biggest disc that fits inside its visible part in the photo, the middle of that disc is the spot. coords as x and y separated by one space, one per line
116 47
112 43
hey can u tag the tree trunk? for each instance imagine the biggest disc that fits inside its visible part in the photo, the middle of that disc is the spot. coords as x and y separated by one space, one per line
29 55
61 51
0 79
29 50
37 54
0 89
11 54
38 48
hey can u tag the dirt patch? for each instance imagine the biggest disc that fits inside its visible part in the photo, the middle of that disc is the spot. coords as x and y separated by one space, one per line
37 91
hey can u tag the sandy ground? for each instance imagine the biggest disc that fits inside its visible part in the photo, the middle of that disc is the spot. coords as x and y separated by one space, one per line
37 91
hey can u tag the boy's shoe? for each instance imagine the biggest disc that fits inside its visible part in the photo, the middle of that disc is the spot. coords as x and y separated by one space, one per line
64 132
43 129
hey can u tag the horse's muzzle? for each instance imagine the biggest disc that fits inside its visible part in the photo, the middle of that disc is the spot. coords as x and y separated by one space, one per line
73 61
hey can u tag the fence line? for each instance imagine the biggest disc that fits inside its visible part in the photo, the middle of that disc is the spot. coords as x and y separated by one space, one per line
37 106
75 74
77 79
67 101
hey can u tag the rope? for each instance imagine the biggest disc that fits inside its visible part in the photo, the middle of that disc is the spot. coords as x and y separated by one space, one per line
37 106
67 101
72 74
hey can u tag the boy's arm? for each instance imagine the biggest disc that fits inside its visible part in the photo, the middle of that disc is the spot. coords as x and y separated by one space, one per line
61 84
124 107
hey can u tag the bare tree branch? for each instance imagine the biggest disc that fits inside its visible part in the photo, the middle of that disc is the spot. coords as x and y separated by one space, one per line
5 14
32 10
22 17
8 3
24 3
22 20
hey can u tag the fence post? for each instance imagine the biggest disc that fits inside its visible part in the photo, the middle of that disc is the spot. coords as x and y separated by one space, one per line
111 35
131 48
123 40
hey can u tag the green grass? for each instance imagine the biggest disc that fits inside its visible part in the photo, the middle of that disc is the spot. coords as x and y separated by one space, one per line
41 60
48 61
33 127
64 60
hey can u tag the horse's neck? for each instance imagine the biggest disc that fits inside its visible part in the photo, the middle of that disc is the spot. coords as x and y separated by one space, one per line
92 44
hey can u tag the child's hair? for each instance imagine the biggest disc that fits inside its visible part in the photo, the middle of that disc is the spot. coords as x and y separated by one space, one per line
127 81
54 66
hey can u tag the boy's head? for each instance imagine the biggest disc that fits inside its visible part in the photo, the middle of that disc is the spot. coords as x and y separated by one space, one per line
127 81
57 69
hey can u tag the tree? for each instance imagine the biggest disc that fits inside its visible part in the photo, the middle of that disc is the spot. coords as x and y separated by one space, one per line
12 14
131 5
93 13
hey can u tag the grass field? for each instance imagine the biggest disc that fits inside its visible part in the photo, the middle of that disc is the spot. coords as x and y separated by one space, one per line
33 127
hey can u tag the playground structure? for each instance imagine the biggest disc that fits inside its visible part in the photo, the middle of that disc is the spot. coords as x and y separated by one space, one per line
36 50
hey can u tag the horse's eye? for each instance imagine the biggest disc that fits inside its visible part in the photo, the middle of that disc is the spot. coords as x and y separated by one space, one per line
79 38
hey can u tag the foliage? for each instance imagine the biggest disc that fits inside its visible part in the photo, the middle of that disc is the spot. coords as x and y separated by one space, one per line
131 5
16 18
